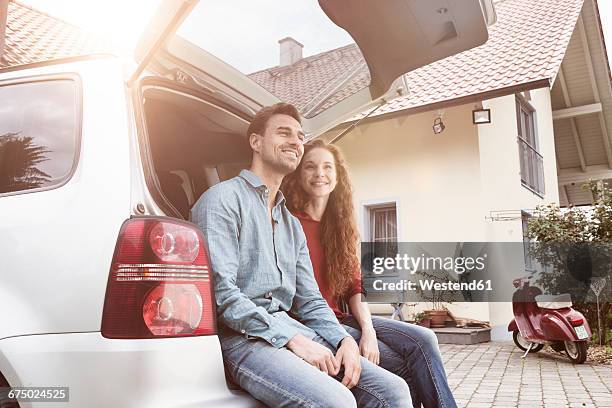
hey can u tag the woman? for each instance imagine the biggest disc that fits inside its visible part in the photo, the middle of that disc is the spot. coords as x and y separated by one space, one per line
319 194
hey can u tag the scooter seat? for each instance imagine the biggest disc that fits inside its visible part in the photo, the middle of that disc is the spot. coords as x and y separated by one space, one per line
554 301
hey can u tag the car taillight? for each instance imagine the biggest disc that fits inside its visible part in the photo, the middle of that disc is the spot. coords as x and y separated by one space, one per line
159 283
576 321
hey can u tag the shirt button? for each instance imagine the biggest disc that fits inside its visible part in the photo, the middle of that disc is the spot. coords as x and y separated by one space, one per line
273 340
242 331
269 295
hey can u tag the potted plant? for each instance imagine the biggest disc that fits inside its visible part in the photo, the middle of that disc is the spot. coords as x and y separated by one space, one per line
422 319
438 313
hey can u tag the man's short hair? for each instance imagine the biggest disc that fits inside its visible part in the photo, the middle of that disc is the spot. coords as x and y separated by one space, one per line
260 121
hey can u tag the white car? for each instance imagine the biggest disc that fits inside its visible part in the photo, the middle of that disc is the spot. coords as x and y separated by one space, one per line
105 287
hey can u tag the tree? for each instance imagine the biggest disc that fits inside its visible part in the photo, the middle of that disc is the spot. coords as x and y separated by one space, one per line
19 158
576 247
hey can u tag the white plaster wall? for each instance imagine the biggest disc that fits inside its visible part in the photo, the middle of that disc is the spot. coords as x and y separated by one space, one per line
501 183
435 180
446 185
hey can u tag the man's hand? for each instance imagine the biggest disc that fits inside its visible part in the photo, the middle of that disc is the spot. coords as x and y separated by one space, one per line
368 346
348 356
314 353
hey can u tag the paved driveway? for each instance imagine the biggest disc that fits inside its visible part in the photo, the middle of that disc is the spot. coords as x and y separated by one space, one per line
494 375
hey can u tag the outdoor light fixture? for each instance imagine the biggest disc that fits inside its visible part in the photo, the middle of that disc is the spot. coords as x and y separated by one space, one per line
480 116
438 126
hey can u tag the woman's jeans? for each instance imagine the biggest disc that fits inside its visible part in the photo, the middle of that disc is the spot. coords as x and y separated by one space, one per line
411 352
279 378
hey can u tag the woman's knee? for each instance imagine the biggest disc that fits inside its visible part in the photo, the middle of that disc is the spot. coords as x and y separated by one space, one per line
427 341
407 331
428 336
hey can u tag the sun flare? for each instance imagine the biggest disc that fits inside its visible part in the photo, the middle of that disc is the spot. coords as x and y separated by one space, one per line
120 22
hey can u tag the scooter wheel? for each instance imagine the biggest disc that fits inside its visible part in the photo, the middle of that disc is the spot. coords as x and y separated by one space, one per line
576 351
558 346
524 344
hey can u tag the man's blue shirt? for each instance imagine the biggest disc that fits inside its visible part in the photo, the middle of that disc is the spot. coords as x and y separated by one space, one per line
263 278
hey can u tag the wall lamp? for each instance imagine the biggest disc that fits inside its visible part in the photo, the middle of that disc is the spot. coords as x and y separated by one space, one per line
481 116
438 125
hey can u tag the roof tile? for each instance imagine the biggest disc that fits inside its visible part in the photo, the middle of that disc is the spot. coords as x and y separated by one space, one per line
33 36
526 44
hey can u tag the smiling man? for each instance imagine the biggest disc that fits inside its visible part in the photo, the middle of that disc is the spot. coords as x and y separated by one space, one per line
281 342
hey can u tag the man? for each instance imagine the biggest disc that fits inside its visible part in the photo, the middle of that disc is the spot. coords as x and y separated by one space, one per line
277 333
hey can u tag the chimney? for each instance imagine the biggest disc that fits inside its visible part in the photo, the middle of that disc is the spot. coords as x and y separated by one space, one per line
3 19
290 51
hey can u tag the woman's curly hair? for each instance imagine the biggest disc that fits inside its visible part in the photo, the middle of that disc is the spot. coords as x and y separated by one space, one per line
339 234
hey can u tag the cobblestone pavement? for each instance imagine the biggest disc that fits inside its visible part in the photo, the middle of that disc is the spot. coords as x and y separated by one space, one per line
494 375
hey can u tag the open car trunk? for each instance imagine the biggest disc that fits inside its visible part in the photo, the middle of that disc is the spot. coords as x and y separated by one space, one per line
195 44
196 117
192 144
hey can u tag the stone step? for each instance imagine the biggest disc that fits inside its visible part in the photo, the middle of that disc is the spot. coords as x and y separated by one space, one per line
459 335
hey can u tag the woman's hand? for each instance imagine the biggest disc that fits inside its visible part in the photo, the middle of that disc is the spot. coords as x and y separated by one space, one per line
368 346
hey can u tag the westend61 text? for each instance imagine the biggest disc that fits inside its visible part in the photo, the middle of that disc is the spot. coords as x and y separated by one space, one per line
405 284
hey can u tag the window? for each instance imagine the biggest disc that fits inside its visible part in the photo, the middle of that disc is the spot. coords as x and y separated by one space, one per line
381 233
532 164
529 259
383 223
38 137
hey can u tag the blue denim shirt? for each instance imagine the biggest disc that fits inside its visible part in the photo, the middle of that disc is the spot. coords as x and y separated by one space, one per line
263 277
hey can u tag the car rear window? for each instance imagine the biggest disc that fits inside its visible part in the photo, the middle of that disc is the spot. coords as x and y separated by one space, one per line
38 134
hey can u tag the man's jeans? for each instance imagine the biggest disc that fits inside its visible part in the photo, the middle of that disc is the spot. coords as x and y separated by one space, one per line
411 352
279 378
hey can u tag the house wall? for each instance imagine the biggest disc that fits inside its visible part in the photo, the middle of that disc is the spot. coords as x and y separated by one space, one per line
445 186
501 183
423 171
434 179
500 164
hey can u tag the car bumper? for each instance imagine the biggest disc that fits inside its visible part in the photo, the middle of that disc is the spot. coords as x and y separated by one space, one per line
100 372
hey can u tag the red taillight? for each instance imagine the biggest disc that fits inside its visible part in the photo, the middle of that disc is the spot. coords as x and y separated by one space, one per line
172 309
159 284
174 243
575 321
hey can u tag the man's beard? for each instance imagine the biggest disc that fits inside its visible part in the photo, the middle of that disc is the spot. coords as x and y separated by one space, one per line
280 164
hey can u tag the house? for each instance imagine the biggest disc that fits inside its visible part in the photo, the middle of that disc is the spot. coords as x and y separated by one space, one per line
545 78
543 75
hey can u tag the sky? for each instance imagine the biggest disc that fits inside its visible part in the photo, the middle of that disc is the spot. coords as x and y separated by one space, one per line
246 42
249 43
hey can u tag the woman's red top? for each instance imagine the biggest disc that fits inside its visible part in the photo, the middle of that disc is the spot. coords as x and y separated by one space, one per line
312 230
